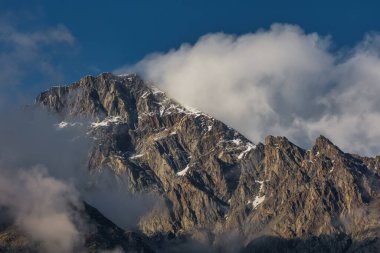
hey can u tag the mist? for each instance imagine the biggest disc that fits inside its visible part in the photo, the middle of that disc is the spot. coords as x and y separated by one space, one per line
42 207
38 169
44 180
279 81
110 194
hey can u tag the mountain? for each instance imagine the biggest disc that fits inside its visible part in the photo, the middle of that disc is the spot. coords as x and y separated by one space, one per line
217 187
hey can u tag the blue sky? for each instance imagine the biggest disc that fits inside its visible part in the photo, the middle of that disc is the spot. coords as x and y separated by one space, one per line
317 71
114 33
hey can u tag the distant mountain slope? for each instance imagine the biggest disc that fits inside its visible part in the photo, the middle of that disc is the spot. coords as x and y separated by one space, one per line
215 181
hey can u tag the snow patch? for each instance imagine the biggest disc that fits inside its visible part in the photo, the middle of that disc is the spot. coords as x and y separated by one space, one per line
145 94
136 156
144 114
249 147
236 141
156 91
261 185
64 124
167 106
184 171
162 110
107 121
257 201
193 111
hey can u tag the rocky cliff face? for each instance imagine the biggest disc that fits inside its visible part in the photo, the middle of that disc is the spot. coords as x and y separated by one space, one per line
212 179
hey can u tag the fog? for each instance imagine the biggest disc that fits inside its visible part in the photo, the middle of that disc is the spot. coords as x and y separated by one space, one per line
38 168
44 180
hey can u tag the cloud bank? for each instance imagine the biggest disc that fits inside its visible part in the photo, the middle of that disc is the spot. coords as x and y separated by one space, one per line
279 81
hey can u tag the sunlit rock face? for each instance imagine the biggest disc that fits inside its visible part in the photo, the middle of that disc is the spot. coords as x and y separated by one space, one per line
213 181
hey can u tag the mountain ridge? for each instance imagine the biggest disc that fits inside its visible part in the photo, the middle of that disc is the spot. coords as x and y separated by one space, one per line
212 179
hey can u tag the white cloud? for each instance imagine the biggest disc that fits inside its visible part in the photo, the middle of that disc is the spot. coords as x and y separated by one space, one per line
279 81
42 207
58 34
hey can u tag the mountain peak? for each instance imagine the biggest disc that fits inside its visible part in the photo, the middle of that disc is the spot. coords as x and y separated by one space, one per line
96 97
324 146
321 139
276 140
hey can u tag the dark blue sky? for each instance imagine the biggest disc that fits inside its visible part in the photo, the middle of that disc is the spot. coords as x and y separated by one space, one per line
109 34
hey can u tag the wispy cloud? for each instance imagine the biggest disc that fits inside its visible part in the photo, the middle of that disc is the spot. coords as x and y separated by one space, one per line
27 52
34 39
280 81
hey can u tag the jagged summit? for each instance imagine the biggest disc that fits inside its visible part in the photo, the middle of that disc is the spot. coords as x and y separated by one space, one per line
160 144
101 96
215 180
325 146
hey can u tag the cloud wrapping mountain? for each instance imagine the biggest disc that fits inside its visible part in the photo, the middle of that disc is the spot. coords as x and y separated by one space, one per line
42 208
280 81
44 180
39 166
